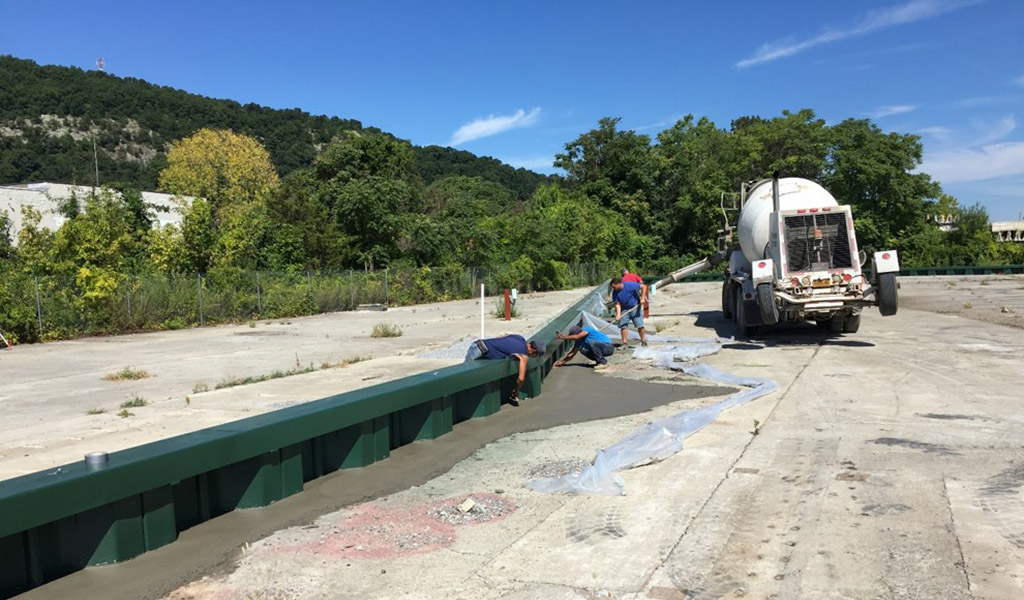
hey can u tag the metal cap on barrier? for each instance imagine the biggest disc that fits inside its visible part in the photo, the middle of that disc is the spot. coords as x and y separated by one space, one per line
96 460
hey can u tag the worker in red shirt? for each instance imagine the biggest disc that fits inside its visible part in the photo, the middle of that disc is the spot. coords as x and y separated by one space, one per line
627 276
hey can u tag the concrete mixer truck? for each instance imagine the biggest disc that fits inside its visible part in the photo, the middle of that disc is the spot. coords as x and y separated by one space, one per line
797 260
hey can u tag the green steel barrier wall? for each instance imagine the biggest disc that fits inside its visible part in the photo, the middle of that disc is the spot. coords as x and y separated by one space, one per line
59 521
906 272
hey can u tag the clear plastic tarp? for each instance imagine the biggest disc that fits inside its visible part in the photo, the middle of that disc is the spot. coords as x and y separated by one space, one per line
664 437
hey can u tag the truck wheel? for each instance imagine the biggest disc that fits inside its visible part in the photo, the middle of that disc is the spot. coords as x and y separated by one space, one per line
837 324
888 297
727 300
766 302
852 323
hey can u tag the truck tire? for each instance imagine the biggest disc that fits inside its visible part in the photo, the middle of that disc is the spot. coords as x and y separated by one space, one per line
727 300
888 297
837 324
766 302
739 314
852 323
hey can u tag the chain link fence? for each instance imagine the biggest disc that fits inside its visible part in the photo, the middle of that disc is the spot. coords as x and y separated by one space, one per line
40 308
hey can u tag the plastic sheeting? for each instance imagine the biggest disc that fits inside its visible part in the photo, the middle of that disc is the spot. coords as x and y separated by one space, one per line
664 437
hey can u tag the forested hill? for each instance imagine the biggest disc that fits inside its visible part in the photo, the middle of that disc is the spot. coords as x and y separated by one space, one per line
50 116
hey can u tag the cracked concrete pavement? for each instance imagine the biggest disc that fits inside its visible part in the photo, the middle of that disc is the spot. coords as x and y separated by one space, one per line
889 464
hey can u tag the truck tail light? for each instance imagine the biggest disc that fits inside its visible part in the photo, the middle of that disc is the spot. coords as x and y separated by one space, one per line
814 210
761 265
885 256
801 211
847 277
795 282
826 209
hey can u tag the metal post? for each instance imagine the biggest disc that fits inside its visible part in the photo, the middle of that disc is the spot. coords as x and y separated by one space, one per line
39 309
481 311
352 288
199 279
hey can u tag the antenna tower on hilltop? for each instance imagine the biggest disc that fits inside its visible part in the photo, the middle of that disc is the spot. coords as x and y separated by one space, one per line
100 63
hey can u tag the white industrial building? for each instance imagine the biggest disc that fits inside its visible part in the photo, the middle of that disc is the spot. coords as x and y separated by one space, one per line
46 198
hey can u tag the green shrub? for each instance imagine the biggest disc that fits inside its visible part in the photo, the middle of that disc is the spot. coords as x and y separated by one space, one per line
385 330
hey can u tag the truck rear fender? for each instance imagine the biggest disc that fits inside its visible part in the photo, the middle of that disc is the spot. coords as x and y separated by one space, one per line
886 261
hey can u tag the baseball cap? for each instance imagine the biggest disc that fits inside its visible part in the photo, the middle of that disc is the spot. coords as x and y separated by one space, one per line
574 330
539 345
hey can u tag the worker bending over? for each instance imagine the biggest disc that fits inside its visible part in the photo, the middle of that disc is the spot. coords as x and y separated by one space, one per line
590 342
509 346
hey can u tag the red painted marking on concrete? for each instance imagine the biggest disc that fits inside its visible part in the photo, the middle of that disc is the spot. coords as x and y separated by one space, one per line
379 530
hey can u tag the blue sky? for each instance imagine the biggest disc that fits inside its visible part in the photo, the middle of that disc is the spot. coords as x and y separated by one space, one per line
518 80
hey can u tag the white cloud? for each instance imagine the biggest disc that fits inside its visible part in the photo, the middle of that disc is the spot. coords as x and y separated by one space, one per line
873 20
982 101
937 132
987 162
531 162
493 125
888 111
992 131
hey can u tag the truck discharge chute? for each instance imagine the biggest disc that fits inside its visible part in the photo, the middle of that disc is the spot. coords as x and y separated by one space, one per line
797 260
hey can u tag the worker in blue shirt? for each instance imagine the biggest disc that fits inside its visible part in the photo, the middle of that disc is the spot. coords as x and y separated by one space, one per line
590 342
629 296
509 346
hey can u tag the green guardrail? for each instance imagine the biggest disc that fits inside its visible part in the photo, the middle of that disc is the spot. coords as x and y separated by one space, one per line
905 272
967 270
62 520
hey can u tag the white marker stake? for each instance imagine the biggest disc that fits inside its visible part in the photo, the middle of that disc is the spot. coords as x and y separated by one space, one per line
481 311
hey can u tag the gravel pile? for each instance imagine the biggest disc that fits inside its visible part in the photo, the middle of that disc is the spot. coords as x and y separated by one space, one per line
455 351
557 468
485 508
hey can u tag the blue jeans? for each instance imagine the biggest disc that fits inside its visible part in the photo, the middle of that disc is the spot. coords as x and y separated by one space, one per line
635 314
474 353
597 351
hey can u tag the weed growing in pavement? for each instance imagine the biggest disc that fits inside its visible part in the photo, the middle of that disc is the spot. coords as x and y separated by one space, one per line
95 411
385 330
124 414
200 387
136 401
499 309
127 374
968 305
344 363
237 381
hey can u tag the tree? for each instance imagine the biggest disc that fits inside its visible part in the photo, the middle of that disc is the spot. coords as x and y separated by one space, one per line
223 167
231 179
615 168
874 173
